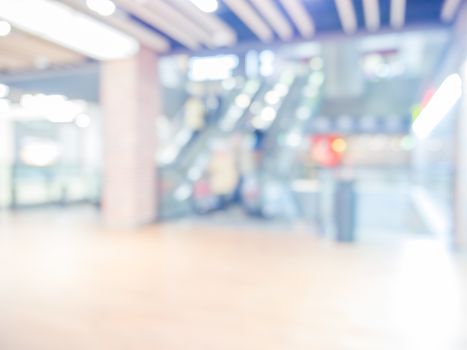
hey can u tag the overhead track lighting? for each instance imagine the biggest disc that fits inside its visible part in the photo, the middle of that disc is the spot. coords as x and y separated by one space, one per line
275 18
159 21
347 15
207 6
300 16
123 22
180 20
449 9
222 34
60 24
398 8
102 7
248 15
371 12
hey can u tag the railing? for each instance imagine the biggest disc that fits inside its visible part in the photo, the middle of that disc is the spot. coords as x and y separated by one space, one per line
27 186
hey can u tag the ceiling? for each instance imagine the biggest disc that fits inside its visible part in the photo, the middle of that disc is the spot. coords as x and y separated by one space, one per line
21 51
272 21
168 26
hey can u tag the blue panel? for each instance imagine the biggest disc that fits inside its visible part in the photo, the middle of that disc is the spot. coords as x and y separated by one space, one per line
326 18
423 11
324 13
360 14
385 12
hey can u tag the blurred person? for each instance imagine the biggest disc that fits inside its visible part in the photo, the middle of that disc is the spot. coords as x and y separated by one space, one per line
194 115
223 174
249 188
203 200
259 137
213 103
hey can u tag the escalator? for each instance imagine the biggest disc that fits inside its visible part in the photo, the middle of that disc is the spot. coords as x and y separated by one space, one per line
276 105
285 143
178 173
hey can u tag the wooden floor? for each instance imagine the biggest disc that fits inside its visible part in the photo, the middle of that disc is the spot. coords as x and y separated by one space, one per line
66 284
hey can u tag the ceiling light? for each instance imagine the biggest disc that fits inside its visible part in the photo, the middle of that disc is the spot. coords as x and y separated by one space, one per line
242 101
53 21
439 106
372 15
208 6
83 121
449 10
268 114
347 15
5 28
102 7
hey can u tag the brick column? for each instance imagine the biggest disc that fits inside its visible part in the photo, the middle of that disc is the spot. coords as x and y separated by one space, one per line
130 99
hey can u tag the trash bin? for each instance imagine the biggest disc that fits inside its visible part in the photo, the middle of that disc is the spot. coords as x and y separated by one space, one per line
345 211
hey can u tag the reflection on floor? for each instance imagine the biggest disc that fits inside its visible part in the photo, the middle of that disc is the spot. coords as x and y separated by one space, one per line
67 284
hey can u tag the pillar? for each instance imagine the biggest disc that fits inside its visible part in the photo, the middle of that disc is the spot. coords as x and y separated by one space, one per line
344 76
130 99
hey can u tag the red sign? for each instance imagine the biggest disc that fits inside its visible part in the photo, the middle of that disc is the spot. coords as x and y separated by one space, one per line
324 153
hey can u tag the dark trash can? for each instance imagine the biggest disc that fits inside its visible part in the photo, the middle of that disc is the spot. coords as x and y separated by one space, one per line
345 211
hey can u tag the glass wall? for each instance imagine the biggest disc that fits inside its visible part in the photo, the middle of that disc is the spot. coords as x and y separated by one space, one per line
296 120
50 150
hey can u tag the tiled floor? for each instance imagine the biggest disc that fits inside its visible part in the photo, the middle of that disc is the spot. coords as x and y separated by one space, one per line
67 284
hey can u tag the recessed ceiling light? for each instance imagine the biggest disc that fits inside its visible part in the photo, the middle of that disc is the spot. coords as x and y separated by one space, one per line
102 7
208 6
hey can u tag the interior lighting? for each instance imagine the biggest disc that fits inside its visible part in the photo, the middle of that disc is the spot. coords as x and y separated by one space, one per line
439 106
281 89
449 10
5 28
213 68
317 63
183 192
317 78
243 101
339 145
83 121
102 7
347 15
208 6
268 113
311 92
58 23
267 62
259 123
55 108
371 12
272 97
398 9
39 153
4 90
